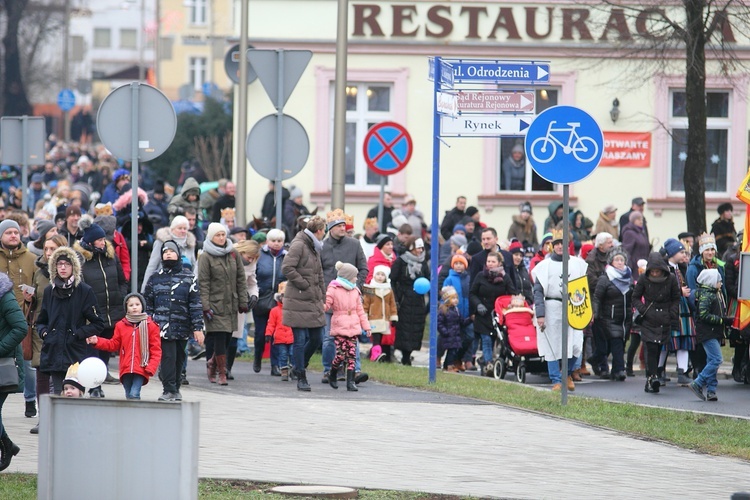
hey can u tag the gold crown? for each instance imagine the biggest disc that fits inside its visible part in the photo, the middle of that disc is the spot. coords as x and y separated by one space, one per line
372 222
335 215
349 220
227 213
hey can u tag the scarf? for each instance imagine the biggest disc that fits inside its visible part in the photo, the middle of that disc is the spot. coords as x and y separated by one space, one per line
495 275
316 242
215 250
413 263
621 279
141 321
345 283
180 241
62 289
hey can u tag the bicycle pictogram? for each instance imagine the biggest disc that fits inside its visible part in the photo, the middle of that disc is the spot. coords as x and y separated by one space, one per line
583 148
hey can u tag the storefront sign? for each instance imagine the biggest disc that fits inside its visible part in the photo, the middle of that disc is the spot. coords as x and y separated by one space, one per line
627 149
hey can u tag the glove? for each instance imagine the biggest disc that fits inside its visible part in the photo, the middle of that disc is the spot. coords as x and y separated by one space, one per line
209 314
728 320
243 310
252 301
269 339
482 309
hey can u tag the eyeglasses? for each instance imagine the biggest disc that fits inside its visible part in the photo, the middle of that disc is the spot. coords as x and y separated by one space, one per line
64 263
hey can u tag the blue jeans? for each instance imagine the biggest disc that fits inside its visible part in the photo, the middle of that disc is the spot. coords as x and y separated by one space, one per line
707 376
284 353
553 367
29 382
132 383
306 342
486 347
329 348
242 347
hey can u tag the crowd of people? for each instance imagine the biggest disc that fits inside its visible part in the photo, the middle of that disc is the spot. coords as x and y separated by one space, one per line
317 283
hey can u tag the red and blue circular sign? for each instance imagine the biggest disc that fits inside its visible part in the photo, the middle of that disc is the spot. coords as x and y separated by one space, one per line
387 148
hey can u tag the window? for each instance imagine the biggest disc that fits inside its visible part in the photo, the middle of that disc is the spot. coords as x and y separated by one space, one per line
367 104
102 38
515 172
128 39
197 11
197 72
718 124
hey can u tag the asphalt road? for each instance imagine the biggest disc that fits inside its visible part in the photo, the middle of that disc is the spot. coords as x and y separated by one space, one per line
734 398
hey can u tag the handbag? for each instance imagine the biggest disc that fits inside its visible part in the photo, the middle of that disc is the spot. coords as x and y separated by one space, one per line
638 320
265 303
8 375
27 343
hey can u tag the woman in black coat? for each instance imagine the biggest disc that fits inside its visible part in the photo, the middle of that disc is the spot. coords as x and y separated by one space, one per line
488 285
612 304
68 317
410 266
102 271
657 299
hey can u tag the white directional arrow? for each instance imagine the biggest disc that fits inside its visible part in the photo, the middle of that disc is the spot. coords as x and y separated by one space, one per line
525 102
541 72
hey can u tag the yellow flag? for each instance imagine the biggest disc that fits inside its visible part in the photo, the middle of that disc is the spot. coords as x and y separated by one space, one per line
742 320
580 311
743 192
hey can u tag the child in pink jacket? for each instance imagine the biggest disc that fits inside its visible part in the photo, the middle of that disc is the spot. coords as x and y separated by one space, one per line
349 319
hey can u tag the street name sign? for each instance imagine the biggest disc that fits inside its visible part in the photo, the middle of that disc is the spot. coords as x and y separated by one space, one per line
495 102
485 125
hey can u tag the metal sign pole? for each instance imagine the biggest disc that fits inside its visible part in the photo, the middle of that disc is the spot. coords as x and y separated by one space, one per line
279 136
25 164
242 120
435 243
565 258
134 88
380 203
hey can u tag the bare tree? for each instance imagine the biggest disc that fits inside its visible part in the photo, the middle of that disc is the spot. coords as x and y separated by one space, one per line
15 102
700 30
213 155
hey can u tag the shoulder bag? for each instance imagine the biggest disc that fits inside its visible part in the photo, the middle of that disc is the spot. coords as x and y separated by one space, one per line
8 375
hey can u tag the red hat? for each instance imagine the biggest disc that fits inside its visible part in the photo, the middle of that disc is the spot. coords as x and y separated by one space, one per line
515 247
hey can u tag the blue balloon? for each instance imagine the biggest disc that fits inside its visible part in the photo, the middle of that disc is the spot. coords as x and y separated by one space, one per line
421 286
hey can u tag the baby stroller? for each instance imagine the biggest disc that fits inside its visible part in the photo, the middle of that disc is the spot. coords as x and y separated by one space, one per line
515 345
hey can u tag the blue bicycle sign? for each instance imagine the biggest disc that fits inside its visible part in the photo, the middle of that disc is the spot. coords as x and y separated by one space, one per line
564 144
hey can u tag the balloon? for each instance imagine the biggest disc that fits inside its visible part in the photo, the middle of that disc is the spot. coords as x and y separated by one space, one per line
92 372
421 286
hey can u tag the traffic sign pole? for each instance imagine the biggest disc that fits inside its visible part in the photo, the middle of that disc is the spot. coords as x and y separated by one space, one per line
25 165
565 259
435 243
134 105
280 135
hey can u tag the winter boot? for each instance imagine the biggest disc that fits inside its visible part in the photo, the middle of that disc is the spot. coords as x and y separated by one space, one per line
221 367
9 449
332 379
661 375
257 361
653 384
302 384
350 384
340 374
275 372
285 374
211 369
577 375
682 379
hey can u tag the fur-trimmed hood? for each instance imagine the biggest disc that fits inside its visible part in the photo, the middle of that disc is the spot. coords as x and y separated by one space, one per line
88 255
164 235
73 256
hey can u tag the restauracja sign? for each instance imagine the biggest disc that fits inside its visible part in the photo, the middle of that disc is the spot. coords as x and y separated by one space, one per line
496 22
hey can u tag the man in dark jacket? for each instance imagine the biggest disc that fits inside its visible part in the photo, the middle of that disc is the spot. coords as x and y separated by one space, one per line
156 208
387 212
226 200
489 244
304 298
723 228
339 247
70 228
453 217
597 262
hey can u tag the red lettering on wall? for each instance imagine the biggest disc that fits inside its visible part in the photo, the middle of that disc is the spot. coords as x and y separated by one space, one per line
618 23
646 18
473 19
366 14
505 20
531 23
721 21
575 19
433 15
402 14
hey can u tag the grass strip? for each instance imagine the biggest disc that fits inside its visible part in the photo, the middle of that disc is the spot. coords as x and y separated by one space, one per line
714 435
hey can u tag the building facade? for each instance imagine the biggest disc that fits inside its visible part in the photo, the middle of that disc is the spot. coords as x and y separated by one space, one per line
595 58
